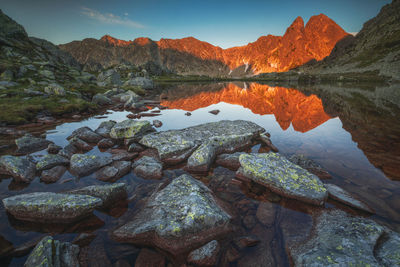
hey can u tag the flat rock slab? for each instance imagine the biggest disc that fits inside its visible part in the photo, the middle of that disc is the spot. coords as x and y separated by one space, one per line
20 168
109 194
113 172
53 175
339 239
176 142
148 168
53 253
50 161
30 144
130 129
282 177
82 164
104 128
179 218
341 195
86 134
50 207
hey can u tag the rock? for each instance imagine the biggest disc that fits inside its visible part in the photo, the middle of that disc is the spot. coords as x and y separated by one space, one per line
128 96
230 161
68 151
101 100
265 138
340 195
80 144
143 82
20 168
109 194
130 129
6 247
48 207
109 77
53 175
135 147
266 213
188 114
86 134
123 155
105 143
53 253
50 161
246 241
148 168
53 149
30 144
214 112
84 239
115 171
47 74
282 177
104 128
310 166
149 258
179 218
7 75
157 123
55 89
340 239
249 221
207 255
174 143
83 165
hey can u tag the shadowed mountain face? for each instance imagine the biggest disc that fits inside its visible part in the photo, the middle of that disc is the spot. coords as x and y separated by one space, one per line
189 56
288 105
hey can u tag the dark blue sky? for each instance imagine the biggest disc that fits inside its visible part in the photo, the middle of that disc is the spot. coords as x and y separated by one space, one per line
222 23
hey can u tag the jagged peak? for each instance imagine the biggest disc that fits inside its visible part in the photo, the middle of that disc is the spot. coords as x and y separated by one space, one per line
114 41
142 41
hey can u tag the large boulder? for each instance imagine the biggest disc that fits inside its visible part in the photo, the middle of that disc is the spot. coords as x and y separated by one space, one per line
49 161
53 253
104 128
30 144
109 77
283 177
130 129
20 168
109 194
113 172
82 164
101 100
48 207
179 218
55 89
143 82
86 134
148 168
52 175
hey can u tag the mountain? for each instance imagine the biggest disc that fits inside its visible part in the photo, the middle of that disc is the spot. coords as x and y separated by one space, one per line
189 56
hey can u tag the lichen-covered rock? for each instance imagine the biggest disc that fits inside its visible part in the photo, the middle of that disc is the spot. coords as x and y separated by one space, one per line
55 89
30 144
104 128
339 194
109 77
48 207
68 151
52 175
207 255
86 134
53 149
230 161
282 177
130 129
53 253
50 161
179 218
101 100
82 164
174 143
148 168
143 82
113 172
109 193
105 143
80 144
339 239
310 166
20 168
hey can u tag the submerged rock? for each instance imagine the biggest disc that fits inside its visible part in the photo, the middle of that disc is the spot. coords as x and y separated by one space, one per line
207 255
282 177
230 161
109 194
104 128
30 144
148 168
310 166
82 164
48 207
52 175
20 168
53 253
179 218
340 195
113 172
50 161
340 239
130 129
86 134
148 258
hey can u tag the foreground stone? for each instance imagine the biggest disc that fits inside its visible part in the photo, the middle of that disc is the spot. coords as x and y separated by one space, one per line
282 177
340 195
339 239
86 134
230 161
52 175
179 218
104 128
148 258
68 151
207 255
20 168
148 168
130 129
53 253
113 172
48 207
30 144
50 161
83 165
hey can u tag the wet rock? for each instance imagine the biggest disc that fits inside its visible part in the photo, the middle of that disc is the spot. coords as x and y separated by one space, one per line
48 207
214 112
246 241
135 147
265 138
55 89
68 151
266 213
130 129
50 161
340 195
149 258
123 155
230 161
179 218
86 134
6 247
206 255
53 175
249 221
53 149
113 172
105 143
30 144
310 166
104 128
143 82
80 144
82 164
188 114
148 168
282 177
157 123
109 194
83 239
340 239
20 168
53 253
101 100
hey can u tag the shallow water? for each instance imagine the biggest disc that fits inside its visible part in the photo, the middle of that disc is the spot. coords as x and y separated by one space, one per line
352 133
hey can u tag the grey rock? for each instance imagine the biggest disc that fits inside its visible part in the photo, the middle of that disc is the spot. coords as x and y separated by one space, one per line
130 129
29 144
20 168
86 134
53 149
80 144
110 76
143 82
48 207
68 151
83 165
206 255
148 168
113 172
157 123
101 100
55 89
266 213
50 161
179 218
282 177
265 138
135 147
53 175
339 194
104 128
230 161
109 194
105 143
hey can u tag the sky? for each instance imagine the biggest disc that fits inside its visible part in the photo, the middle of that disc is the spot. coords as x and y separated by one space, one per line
222 23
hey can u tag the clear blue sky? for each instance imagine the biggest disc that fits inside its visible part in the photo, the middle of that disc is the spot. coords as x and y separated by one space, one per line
222 23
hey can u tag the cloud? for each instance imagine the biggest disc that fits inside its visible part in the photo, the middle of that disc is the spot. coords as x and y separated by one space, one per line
109 18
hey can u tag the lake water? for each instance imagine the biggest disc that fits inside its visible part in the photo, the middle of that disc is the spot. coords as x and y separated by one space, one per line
352 132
